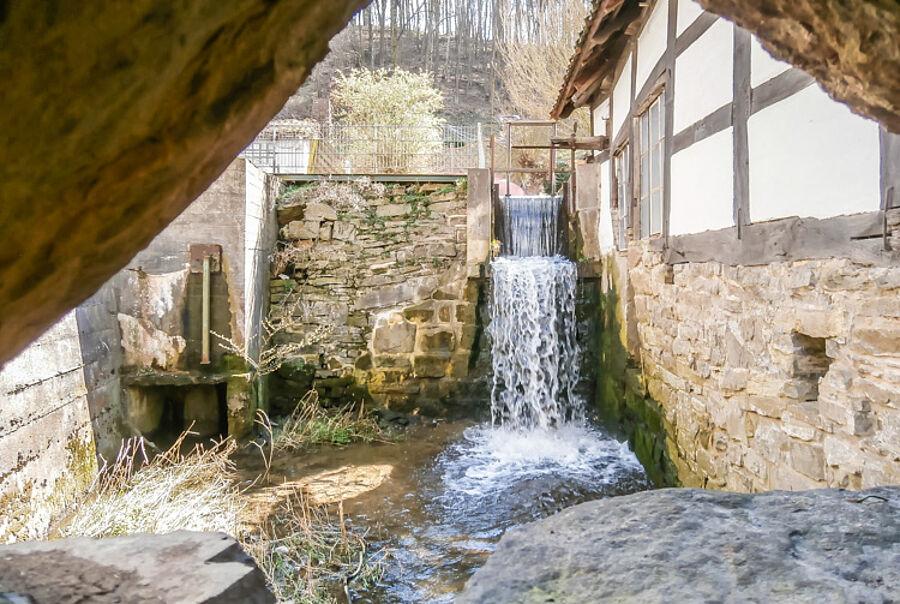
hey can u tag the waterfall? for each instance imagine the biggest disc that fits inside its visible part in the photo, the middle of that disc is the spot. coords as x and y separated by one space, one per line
534 352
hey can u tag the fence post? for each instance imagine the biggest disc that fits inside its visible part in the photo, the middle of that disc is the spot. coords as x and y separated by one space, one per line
480 148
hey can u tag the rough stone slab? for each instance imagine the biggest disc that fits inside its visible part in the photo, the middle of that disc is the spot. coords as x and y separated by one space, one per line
184 566
119 114
690 545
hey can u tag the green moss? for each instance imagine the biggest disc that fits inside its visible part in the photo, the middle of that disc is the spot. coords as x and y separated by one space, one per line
621 397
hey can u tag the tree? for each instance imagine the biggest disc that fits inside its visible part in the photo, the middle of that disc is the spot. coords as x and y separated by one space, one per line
392 117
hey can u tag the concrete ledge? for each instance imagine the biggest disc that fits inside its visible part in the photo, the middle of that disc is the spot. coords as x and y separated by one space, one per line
183 566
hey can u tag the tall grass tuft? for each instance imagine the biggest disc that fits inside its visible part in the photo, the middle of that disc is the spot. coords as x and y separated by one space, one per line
169 492
310 425
309 556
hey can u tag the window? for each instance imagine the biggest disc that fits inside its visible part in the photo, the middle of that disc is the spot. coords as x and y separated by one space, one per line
652 137
623 193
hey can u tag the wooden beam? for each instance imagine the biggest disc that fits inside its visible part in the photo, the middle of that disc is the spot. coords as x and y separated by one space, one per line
694 31
716 121
779 88
580 143
740 118
857 237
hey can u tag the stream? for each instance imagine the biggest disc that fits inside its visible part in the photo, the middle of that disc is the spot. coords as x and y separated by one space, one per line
435 505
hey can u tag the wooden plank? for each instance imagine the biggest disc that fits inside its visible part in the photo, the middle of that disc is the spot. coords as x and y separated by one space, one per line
890 169
716 121
582 143
779 88
785 240
694 31
669 57
740 117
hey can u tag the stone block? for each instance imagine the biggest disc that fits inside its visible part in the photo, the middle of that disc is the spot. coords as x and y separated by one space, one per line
442 197
807 458
840 451
459 364
393 209
444 207
183 566
363 362
465 313
394 334
435 250
467 336
319 212
420 313
343 231
445 313
325 231
430 365
299 229
290 214
436 340
392 361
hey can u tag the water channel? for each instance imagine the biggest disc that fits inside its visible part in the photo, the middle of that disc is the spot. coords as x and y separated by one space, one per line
441 499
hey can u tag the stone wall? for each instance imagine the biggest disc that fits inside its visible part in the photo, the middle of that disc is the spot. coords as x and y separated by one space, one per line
777 376
384 266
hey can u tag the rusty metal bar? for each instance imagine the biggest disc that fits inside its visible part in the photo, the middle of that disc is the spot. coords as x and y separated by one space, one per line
204 344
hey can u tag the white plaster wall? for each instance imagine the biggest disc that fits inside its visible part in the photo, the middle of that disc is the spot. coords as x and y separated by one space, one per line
652 41
703 186
601 115
703 75
763 66
605 237
810 156
688 11
621 98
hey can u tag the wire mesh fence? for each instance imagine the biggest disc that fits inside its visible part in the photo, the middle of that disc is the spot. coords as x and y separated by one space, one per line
369 149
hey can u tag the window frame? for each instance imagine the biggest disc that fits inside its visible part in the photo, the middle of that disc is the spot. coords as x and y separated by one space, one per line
622 169
651 138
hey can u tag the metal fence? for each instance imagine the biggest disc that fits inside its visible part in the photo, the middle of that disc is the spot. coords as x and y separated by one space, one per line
370 149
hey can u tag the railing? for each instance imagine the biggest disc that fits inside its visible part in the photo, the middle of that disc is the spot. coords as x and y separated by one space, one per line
369 149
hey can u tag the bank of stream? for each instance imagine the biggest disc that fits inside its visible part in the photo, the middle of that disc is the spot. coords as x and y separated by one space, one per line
434 504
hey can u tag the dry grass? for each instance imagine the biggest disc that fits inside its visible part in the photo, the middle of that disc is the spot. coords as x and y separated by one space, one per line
166 493
310 425
307 555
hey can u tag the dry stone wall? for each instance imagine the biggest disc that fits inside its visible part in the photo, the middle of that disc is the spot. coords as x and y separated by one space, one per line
383 268
779 376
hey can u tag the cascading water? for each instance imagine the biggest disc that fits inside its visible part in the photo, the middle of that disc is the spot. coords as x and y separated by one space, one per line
534 352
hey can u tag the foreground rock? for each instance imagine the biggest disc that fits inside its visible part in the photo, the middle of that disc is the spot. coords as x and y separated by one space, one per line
689 545
179 567
115 115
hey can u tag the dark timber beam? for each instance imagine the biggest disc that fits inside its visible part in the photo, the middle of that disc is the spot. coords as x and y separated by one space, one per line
858 237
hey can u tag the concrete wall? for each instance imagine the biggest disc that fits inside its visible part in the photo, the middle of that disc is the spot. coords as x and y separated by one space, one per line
81 387
47 453
160 299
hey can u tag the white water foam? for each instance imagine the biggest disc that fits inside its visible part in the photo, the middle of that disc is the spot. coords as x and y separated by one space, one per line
489 460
